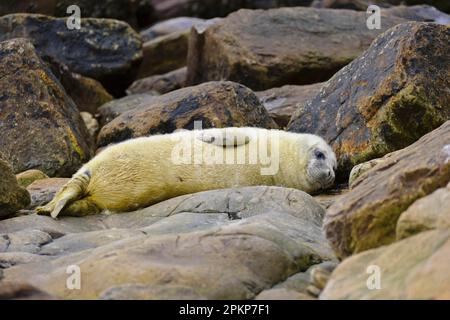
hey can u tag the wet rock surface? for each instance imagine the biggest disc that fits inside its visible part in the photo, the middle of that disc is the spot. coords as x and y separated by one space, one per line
40 124
216 104
265 234
386 99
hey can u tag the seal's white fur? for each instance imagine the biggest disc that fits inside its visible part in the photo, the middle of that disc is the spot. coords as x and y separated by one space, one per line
140 172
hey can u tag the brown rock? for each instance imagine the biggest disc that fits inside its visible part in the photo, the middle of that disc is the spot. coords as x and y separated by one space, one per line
423 13
164 54
386 99
12 196
216 104
106 50
367 215
415 268
430 212
283 102
160 83
28 177
88 94
42 191
115 108
41 126
271 48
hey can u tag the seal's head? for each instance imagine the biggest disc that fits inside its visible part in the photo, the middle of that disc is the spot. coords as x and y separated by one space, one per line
322 163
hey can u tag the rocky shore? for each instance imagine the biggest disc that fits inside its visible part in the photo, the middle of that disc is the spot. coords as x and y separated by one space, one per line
379 97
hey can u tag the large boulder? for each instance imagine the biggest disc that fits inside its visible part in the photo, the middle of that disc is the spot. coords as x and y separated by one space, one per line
283 102
136 13
12 196
271 48
164 54
106 50
219 244
216 104
88 94
366 216
212 8
41 127
386 99
414 268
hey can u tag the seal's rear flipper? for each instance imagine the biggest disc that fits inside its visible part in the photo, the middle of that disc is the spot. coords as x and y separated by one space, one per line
67 195
71 192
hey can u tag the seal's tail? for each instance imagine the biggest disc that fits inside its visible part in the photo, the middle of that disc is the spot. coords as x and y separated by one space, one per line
74 190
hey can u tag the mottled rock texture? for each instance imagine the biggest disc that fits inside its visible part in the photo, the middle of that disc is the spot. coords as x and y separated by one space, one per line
12 196
271 48
366 216
216 104
386 99
414 268
40 125
283 102
162 83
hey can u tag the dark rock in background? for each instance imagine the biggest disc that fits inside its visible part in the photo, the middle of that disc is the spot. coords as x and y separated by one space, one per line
88 94
160 83
106 50
164 9
111 110
12 196
386 99
283 102
164 54
266 49
136 13
40 125
216 104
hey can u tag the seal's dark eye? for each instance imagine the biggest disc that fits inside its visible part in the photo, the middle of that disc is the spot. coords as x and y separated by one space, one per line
319 155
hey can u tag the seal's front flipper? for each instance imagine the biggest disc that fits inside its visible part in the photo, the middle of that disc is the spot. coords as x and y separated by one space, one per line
225 137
